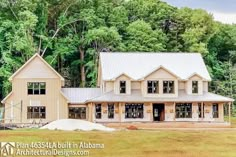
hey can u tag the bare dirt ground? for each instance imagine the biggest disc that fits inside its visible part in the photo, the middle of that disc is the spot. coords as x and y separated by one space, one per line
172 125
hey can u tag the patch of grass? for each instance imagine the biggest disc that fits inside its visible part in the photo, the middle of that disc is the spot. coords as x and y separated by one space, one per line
139 143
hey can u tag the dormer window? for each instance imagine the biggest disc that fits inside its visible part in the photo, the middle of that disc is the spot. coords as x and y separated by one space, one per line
168 87
194 87
122 87
152 87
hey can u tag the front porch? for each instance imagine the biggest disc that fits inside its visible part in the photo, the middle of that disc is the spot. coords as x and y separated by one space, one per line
108 112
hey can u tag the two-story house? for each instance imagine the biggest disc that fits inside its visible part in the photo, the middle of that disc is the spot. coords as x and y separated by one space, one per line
142 87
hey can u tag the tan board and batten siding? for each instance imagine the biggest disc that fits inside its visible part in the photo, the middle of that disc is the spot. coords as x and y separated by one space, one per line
54 101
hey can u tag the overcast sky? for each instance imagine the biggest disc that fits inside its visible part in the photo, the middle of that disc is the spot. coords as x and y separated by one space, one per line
222 10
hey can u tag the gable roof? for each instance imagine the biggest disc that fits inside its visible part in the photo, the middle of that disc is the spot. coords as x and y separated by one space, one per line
29 61
138 65
123 74
161 67
81 95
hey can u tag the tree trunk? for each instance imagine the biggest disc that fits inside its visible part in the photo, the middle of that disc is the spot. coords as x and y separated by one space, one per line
82 67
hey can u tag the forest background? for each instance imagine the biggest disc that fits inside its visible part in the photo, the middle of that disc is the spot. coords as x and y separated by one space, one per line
69 34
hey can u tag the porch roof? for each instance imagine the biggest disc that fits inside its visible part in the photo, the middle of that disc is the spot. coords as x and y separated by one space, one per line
136 96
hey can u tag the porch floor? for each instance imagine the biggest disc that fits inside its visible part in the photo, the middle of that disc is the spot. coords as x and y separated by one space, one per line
168 125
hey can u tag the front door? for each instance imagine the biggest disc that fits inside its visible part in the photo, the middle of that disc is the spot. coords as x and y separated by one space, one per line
158 112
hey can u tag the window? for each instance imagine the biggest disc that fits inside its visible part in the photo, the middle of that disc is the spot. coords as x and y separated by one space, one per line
195 87
36 88
183 110
152 87
168 87
215 110
98 111
110 111
36 112
199 110
77 112
133 110
122 86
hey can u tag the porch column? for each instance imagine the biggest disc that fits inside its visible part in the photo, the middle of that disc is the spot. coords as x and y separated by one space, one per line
229 112
174 110
90 114
151 111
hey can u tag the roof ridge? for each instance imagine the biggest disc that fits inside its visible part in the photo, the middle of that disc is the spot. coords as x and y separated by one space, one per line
134 52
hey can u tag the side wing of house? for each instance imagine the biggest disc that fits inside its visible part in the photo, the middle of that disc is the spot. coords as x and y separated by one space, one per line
36 94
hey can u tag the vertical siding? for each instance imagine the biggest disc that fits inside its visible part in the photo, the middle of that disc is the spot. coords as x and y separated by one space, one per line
50 100
117 85
160 75
189 85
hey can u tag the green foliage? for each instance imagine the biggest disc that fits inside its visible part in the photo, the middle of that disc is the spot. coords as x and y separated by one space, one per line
141 37
71 33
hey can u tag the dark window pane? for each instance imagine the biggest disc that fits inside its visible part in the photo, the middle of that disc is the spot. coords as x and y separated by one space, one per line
77 112
35 112
98 111
30 91
215 110
195 87
199 110
152 87
134 111
110 110
183 110
122 86
168 87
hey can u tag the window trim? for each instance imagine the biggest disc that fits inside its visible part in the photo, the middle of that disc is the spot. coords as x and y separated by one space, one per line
123 87
168 86
152 86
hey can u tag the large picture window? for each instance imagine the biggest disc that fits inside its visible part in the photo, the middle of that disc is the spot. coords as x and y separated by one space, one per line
110 111
36 112
152 87
183 110
123 87
77 112
194 87
168 87
215 109
134 111
98 111
36 88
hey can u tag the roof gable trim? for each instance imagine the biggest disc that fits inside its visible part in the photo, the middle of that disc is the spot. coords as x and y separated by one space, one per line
122 74
158 68
4 100
31 59
196 74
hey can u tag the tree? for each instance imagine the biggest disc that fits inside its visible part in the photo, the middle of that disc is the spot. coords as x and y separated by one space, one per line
141 37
